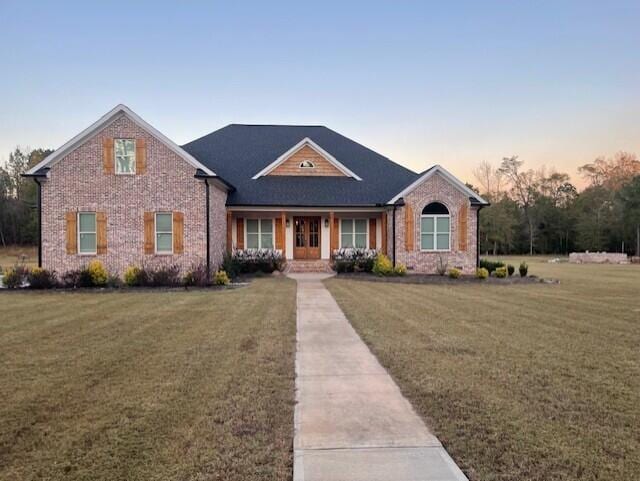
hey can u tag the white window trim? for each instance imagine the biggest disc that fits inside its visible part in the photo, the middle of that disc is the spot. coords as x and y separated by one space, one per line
260 219
353 234
435 233
95 252
155 233
311 165
115 156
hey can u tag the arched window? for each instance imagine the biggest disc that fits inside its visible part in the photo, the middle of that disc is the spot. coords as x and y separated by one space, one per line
307 164
435 228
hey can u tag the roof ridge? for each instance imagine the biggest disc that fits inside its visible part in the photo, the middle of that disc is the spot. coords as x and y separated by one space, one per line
278 125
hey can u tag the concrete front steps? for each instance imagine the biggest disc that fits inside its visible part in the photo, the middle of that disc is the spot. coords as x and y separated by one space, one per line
304 266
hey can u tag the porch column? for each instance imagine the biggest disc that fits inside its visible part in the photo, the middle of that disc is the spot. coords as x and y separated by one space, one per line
229 231
283 221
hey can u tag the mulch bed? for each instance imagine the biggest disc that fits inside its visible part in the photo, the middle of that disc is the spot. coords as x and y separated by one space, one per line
436 279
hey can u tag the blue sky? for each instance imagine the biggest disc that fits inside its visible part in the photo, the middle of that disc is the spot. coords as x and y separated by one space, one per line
454 83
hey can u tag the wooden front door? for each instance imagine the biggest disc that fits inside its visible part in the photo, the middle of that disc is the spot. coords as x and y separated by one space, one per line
306 242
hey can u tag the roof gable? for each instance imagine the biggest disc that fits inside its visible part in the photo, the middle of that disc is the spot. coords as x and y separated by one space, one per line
105 120
335 168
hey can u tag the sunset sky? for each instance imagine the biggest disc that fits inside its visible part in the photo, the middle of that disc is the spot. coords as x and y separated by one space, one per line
557 83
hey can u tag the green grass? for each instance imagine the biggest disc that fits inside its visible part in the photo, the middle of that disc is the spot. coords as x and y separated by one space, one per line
11 255
148 385
520 382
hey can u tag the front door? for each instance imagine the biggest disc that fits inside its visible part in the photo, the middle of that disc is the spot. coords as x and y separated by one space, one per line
307 238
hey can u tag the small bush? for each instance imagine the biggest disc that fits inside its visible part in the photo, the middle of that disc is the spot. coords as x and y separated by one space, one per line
523 269
400 270
510 269
250 261
14 277
341 266
482 273
352 259
133 276
501 272
197 276
114 281
441 265
98 273
491 265
382 266
168 276
39 278
221 278
454 273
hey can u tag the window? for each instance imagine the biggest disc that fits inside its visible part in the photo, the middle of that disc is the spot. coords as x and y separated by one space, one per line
87 232
307 164
125 156
164 233
435 228
259 234
353 233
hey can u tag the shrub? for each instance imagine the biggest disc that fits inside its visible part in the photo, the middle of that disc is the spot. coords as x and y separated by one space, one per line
133 276
441 265
501 272
491 265
382 266
197 276
254 260
510 269
98 273
39 278
454 273
352 259
523 269
166 276
14 277
114 281
221 278
482 273
341 266
400 270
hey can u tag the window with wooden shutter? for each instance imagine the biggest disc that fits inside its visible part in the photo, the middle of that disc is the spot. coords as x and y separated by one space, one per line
178 232
240 233
149 233
72 233
101 233
463 227
372 234
409 225
108 159
141 156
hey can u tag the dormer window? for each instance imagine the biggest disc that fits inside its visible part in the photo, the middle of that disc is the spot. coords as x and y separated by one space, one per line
307 164
125 150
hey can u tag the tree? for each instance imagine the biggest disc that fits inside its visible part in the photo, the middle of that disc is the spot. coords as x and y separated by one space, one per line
611 173
629 198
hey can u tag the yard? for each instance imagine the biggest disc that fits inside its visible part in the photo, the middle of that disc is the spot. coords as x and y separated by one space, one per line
520 382
15 254
148 385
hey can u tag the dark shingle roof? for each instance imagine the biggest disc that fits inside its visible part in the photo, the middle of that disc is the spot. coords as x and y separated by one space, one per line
238 152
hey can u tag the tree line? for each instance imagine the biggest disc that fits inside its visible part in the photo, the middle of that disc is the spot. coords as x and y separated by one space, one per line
542 212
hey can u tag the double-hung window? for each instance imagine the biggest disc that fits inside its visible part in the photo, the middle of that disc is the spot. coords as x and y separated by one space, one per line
125 150
164 233
435 228
87 238
259 234
353 233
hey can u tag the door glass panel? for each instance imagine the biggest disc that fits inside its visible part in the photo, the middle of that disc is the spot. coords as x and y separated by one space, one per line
300 240
314 233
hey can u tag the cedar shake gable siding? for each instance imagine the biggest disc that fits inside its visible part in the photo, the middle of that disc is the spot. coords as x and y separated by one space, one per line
322 167
80 181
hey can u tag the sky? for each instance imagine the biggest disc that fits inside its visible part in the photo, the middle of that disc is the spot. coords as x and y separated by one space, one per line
452 83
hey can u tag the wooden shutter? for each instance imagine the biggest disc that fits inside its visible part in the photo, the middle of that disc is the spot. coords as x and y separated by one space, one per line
149 233
372 233
72 232
101 233
383 228
141 156
240 232
279 236
334 235
409 226
463 227
108 160
178 232
229 231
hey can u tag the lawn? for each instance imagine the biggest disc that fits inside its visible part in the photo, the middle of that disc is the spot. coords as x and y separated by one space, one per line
148 385
520 382
11 255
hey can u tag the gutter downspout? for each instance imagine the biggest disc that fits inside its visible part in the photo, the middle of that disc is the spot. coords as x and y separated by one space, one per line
398 203
39 201
206 187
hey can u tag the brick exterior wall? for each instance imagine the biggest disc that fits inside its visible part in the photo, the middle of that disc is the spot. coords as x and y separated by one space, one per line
77 182
435 189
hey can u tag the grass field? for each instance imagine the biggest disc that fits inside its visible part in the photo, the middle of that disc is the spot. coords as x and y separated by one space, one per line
148 385
11 254
520 382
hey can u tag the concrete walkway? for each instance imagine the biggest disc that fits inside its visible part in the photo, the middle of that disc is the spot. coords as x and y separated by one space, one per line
352 423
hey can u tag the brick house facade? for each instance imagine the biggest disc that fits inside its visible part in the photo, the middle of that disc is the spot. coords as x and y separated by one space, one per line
308 197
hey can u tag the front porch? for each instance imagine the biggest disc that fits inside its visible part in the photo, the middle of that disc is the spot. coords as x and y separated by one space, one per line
306 234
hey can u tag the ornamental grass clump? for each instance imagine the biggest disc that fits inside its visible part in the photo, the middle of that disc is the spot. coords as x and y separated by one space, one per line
221 278
510 269
14 277
524 269
400 270
501 272
454 273
482 273
133 276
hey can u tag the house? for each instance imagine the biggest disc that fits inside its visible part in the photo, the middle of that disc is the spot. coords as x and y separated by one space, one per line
124 193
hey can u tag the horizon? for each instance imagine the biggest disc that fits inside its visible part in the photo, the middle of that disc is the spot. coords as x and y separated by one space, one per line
556 85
